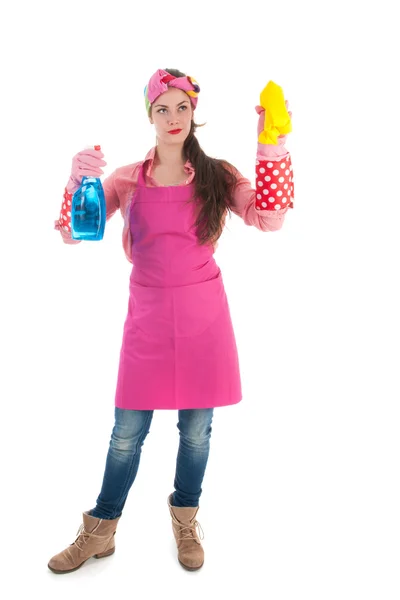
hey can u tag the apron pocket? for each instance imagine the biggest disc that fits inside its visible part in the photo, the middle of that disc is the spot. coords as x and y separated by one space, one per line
179 311
197 306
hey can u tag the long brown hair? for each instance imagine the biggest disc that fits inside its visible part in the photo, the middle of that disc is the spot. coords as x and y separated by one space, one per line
213 182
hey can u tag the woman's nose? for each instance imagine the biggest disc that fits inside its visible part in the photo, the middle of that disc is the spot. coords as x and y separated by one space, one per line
174 118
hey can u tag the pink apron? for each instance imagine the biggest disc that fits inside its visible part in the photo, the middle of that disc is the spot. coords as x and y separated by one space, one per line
178 349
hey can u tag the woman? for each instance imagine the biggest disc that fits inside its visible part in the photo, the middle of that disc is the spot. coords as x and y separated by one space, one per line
178 349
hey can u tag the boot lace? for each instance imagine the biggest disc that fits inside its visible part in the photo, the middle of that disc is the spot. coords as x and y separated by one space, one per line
188 531
84 536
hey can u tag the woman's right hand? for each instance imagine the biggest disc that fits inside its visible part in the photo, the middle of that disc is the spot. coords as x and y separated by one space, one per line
87 163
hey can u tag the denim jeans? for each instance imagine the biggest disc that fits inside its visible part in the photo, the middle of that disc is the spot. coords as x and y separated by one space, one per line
127 438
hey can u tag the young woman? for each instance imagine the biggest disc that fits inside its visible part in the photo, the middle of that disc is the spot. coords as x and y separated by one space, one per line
178 350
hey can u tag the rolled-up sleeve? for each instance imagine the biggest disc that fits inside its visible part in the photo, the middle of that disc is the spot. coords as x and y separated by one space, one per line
265 205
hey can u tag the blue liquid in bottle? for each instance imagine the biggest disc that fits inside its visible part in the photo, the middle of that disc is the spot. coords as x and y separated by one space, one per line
88 210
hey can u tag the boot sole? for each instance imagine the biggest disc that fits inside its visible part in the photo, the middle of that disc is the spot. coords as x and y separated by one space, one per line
190 568
102 555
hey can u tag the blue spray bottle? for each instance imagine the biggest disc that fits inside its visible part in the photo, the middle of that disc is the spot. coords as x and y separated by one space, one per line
88 209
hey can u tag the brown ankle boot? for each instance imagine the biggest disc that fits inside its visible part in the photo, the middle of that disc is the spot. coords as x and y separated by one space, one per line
190 551
95 538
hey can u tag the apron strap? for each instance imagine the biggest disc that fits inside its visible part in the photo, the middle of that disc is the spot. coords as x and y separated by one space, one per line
141 180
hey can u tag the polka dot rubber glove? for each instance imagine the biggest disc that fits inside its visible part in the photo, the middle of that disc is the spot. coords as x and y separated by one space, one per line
274 173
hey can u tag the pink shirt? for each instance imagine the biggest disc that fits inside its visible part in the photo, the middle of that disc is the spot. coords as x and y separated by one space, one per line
248 202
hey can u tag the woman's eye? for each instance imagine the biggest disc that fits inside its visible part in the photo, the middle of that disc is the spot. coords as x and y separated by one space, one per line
183 106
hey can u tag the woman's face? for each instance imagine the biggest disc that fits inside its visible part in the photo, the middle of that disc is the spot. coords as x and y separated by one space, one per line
172 110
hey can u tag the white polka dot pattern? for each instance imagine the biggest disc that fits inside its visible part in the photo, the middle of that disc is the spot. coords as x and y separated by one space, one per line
276 177
65 214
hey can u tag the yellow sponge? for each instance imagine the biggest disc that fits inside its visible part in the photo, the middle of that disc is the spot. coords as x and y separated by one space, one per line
277 118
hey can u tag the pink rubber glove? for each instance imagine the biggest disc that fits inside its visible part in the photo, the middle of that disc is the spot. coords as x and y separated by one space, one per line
270 150
87 163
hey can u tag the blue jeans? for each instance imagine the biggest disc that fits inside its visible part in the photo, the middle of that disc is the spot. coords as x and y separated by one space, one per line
127 438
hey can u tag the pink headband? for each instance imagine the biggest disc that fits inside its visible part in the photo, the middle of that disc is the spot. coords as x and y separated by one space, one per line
161 80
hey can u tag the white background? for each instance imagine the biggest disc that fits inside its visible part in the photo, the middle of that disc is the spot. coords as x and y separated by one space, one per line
301 494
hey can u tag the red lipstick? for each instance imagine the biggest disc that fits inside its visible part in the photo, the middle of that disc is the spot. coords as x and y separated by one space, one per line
175 131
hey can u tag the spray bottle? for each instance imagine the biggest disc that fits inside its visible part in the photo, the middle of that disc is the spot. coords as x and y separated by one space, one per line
88 209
